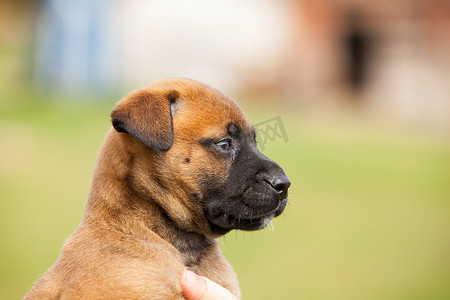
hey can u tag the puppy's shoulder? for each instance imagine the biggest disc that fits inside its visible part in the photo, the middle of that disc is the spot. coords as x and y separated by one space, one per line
111 265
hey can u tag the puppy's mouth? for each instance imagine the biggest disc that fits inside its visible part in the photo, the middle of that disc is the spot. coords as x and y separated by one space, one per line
239 215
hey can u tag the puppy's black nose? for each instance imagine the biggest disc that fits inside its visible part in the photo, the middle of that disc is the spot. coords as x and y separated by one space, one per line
281 184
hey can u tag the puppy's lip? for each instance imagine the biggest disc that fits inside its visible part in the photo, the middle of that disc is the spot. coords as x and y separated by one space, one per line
281 207
255 224
248 213
275 212
255 214
249 223
229 222
278 209
258 219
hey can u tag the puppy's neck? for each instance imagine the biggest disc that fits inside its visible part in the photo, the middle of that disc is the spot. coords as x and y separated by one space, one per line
119 203
192 245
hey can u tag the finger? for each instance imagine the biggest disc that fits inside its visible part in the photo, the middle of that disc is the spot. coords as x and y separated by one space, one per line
216 292
193 286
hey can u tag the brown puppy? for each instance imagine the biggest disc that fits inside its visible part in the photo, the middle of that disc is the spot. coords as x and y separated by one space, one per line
179 169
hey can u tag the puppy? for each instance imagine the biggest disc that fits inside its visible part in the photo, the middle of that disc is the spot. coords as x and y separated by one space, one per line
179 168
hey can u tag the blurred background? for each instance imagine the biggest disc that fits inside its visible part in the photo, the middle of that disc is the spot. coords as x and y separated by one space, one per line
360 88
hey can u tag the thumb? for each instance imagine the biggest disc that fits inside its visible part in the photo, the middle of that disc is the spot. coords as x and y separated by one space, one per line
196 287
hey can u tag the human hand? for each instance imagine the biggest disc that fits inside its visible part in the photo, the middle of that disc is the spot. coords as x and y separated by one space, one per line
196 287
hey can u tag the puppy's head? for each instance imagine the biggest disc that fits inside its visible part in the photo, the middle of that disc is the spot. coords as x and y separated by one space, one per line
198 158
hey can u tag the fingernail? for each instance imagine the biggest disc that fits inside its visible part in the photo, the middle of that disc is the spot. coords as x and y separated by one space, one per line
189 276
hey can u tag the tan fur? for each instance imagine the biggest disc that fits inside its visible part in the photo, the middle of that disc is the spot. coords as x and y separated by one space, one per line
124 248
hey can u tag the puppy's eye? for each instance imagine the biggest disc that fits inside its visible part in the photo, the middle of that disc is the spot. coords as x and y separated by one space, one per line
224 145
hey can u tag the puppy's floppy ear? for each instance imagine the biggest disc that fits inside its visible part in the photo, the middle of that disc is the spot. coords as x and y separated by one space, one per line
147 116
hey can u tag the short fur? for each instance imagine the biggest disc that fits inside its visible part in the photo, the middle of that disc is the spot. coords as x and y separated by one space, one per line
163 191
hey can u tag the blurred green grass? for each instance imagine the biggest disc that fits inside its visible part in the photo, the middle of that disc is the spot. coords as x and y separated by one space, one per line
368 215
